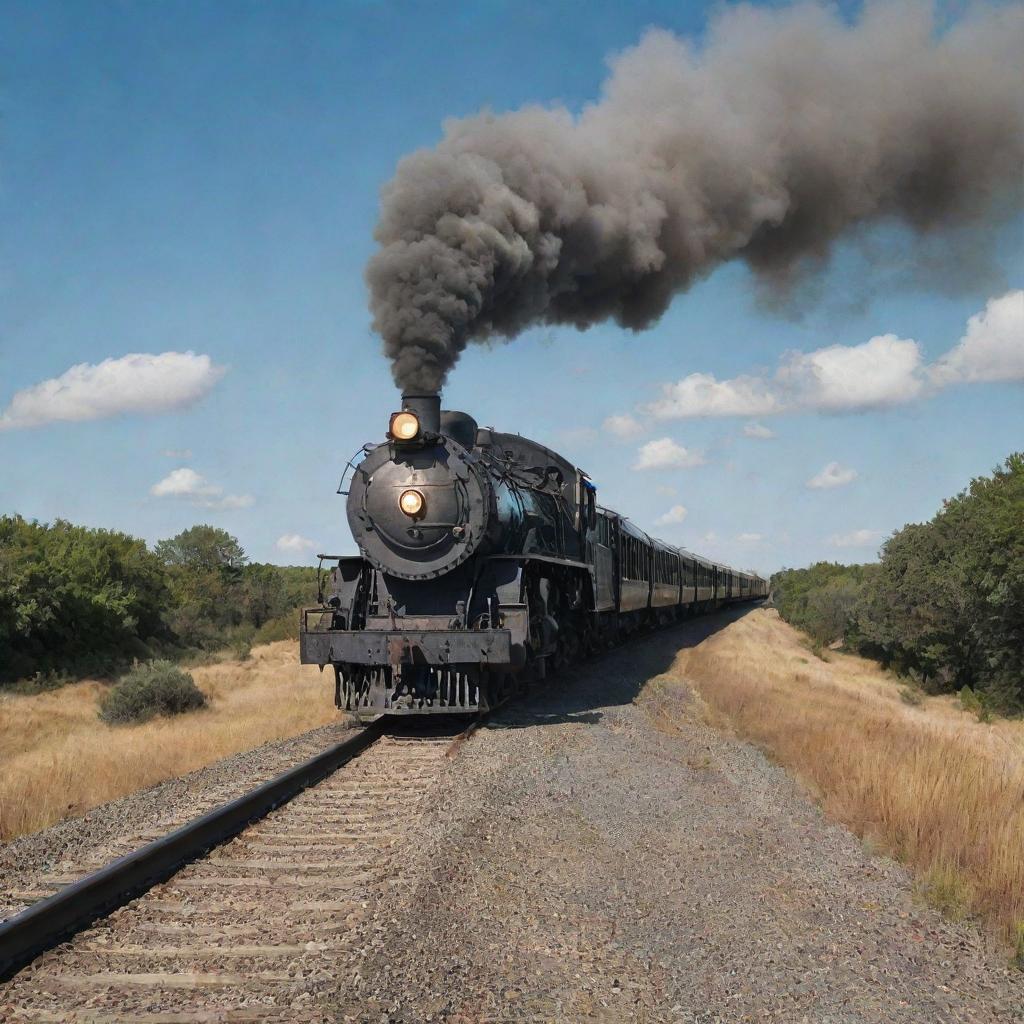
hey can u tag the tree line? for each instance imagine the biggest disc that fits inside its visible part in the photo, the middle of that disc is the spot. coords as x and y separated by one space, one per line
77 601
945 603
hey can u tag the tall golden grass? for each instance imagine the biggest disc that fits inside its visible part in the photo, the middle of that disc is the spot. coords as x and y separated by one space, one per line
59 759
926 782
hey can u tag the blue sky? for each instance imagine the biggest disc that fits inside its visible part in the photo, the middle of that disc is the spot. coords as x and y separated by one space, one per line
203 177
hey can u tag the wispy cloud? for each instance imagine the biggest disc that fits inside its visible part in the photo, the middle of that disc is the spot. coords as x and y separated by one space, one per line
882 372
177 453
576 435
623 426
750 538
700 394
758 431
856 538
137 383
832 475
295 543
664 453
190 486
675 515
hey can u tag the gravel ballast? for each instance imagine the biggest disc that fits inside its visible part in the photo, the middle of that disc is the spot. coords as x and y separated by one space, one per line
76 846
581 864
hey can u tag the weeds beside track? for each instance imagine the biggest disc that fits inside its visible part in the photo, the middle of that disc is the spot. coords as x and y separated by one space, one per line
921 780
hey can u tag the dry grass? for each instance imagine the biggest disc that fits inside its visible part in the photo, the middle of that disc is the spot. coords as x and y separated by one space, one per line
59 759
920 778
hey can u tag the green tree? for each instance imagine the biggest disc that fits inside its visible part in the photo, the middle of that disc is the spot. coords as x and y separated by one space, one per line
822 600
946 602
75 599
988 519
918 610
202 547
205 567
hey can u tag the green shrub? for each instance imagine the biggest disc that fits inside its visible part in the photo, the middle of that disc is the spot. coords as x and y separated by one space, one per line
976 703
40 682
158 688
948 890
910 695
283 627
1018 959
240 645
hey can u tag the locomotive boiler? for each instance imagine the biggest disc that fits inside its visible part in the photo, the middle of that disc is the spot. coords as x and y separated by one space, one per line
485 561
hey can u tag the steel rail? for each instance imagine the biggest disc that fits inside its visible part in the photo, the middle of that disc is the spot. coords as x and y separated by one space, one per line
53 920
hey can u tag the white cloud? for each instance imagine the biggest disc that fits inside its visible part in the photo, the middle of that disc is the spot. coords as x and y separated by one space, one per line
676 514
832 475
700 394
882 372
231 501
710 537
664 453
750 538
841 378
667 490
177 453
183 483
135 383
992 348
190 486
623 426
295 543
758 430
855 538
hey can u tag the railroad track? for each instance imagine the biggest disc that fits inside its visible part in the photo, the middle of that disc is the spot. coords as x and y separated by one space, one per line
255 925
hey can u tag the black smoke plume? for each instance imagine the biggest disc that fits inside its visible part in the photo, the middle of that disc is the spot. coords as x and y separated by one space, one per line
785 130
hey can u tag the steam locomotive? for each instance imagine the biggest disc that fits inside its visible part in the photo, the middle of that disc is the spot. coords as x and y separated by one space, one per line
486 562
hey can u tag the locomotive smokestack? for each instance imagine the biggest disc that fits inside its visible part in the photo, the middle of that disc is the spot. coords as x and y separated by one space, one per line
426 406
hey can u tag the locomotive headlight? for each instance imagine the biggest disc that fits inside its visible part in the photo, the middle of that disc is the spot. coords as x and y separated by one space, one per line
411 502
404 427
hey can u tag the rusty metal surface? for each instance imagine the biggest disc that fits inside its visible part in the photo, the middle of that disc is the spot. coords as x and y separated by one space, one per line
391 647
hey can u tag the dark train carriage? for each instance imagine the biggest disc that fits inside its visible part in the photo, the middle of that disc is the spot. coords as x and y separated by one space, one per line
602 547
666 584
705 580
635 554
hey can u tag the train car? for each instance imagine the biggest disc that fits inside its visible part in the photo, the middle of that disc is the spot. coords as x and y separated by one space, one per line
666 596
635 554
485 560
